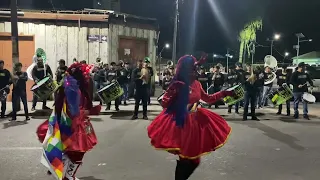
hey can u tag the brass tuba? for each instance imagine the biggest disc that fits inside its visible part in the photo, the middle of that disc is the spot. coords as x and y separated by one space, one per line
272 63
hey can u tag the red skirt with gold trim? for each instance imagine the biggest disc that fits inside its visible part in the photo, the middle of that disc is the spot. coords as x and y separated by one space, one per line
203 131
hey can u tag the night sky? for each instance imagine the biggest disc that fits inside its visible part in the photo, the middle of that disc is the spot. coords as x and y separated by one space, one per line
213 30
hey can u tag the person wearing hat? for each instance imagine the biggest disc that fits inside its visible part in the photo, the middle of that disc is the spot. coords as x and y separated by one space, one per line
112 75
61 70
203 78
147 65
283 77
299 80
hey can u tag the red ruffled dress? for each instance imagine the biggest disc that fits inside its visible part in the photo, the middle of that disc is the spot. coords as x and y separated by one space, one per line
83 137
203 131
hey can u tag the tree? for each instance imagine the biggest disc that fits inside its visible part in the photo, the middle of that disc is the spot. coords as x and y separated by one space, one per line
247 35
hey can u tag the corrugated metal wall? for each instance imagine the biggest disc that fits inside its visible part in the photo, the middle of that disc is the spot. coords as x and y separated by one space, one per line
65 40
116 30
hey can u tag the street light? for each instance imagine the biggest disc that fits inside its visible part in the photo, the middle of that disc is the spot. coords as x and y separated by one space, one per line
275 38
286 54
297 47
167 46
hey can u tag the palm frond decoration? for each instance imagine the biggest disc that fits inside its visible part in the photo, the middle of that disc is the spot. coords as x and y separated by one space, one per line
248 34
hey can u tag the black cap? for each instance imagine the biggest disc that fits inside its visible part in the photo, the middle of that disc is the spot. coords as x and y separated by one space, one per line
238 64
112 63
302 64
127 62
1 62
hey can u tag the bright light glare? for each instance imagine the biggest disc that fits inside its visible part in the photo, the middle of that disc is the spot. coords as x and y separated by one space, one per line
167 45
286 54
214 55
310 40
231 56
277 36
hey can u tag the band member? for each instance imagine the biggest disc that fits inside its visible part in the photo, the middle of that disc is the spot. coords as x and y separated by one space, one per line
19 91
141 90
147 61
78 137
5 82
267 87
240 79
61 70
260 84
112 76
124 78
37 75
184 129
232 81
203 78
217 83
283 77
166 81
299 81
250 96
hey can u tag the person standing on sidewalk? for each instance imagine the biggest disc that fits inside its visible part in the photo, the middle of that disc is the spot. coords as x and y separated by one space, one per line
5 82
38 73
19 91
267 87
299 81
141 90
283 78
123 79
150 72
112 75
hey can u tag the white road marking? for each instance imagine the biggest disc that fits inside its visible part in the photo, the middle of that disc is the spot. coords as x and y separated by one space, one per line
19 148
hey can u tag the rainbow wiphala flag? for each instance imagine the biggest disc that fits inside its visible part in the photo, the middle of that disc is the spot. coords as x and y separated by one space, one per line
58 138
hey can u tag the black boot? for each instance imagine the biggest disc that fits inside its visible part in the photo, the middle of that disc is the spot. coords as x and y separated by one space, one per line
190 167
179 174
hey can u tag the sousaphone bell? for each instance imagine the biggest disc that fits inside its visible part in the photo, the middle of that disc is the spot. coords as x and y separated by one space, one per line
272 63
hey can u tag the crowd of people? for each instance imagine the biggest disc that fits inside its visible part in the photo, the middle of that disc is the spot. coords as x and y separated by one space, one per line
134 84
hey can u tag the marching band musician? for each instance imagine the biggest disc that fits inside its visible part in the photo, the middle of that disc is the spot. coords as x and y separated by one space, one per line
37 75
61 70
299 80
5 82
232 81
260 84
267 87
250 95
112 75
166 80
203 78
124 77
283 77
240 79
217 82
141 90
19 91
150 72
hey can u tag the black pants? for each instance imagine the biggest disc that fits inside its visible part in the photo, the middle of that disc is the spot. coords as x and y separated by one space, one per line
16 96
116 103
141 95
3 107
149 93
288 107
216 89
35 100
249 97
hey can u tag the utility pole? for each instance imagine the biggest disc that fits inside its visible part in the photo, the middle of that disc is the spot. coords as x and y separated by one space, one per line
175 33
14 32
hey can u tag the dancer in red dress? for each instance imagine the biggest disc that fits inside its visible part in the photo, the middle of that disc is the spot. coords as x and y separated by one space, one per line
184 129
82 138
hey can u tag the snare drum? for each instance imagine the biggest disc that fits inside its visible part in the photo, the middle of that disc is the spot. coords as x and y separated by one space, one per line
281 95
44 88
110 92
309 97
237 97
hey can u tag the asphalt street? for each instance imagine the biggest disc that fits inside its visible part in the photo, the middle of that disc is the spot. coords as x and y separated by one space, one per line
275 148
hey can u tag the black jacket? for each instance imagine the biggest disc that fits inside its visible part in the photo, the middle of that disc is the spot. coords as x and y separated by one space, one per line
300 78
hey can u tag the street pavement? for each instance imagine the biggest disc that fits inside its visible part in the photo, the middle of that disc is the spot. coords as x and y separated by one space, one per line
275 148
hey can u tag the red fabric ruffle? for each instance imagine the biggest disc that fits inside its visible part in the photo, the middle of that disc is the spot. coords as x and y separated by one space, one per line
204 131
42 130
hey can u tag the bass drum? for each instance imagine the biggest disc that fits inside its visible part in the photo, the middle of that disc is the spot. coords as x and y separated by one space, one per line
309 98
